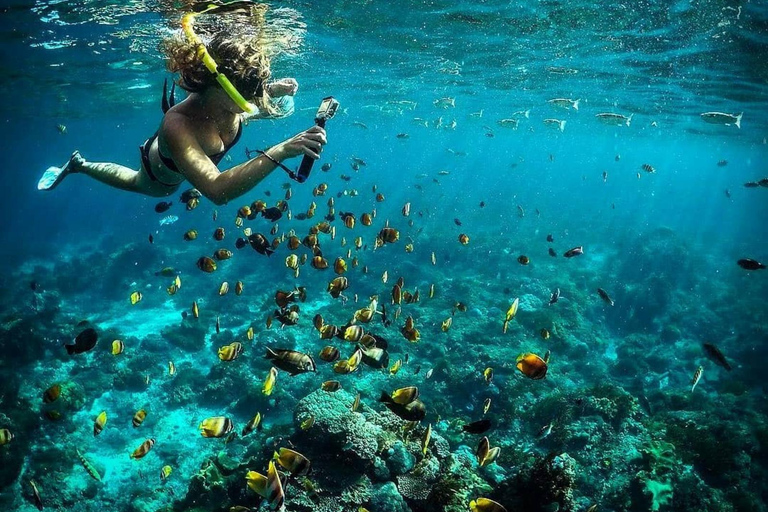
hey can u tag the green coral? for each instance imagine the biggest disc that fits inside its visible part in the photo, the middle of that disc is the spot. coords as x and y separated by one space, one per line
661 492
661 457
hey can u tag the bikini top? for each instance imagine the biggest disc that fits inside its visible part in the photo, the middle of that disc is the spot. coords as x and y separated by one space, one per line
216 158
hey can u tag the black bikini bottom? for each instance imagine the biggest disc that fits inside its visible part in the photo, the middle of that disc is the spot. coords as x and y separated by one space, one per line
144 150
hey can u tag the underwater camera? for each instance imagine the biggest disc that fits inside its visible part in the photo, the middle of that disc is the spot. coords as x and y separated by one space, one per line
326 111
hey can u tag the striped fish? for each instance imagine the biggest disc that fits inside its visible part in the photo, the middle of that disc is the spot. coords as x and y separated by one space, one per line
89 467
275 495
696 377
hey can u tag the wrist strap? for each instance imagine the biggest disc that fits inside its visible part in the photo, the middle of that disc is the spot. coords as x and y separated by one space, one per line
291 174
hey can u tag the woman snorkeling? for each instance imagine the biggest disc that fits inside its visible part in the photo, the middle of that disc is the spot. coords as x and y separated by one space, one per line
195 135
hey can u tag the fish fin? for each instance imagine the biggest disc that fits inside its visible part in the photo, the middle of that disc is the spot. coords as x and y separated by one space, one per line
270 354
385 398
738 120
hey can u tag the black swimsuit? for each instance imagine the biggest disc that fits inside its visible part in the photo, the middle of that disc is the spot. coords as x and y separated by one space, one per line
170 164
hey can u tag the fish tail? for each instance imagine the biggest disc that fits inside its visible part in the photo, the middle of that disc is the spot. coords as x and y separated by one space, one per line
385 398
562 125
629 119
576 104
70 349
738 120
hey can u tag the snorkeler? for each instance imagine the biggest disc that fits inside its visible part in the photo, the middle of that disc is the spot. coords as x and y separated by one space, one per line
195 135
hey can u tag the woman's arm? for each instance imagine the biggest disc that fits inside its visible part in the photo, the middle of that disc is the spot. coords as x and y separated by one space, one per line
221 187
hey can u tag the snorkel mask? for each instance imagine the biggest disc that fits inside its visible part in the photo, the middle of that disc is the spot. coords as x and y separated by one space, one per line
187 25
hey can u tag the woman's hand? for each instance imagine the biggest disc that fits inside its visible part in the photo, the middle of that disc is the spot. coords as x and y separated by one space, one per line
309 142
283 87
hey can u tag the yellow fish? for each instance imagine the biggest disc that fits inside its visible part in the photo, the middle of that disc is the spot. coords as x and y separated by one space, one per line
356 403
98 425
117 347
217 426
269 382
512 311
136 298
231 351
395 367
427 437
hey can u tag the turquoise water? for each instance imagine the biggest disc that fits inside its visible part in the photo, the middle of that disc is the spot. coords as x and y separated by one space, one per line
627 433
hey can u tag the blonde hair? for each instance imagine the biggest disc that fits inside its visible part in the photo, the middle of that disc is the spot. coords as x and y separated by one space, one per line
241 59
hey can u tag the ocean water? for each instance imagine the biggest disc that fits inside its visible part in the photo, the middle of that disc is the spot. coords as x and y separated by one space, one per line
614 424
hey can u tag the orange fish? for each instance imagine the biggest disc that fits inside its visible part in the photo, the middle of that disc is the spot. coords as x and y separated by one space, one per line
532 366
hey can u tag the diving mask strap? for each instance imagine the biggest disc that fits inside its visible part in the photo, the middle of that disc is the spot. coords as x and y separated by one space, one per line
187 25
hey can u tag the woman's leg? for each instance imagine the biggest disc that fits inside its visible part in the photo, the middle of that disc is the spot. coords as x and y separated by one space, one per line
111 174
121 177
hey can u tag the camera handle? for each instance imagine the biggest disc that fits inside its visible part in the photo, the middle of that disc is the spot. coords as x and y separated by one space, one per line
307 162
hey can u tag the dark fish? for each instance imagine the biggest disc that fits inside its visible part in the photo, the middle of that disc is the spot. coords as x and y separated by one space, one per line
552 253
751 184
550 238
457 222
267 193
190 193
345 178
151 238
163 206
326 167
240 243
748 264
291 361
34 286
84 342
714 354
477 427
414 411
260 244
300 216
604 295
722 163
482 204
375 357
576 251
728 193
554 297
272 214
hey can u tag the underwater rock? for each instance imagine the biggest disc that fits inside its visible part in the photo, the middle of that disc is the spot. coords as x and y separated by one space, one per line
337 430
380 470
399 461
189 335
387 499
207 488
542 483
417 485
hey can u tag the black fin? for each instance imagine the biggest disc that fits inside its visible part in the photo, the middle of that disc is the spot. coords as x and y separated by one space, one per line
172 97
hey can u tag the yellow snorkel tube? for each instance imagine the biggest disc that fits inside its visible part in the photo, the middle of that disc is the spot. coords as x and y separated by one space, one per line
187 25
